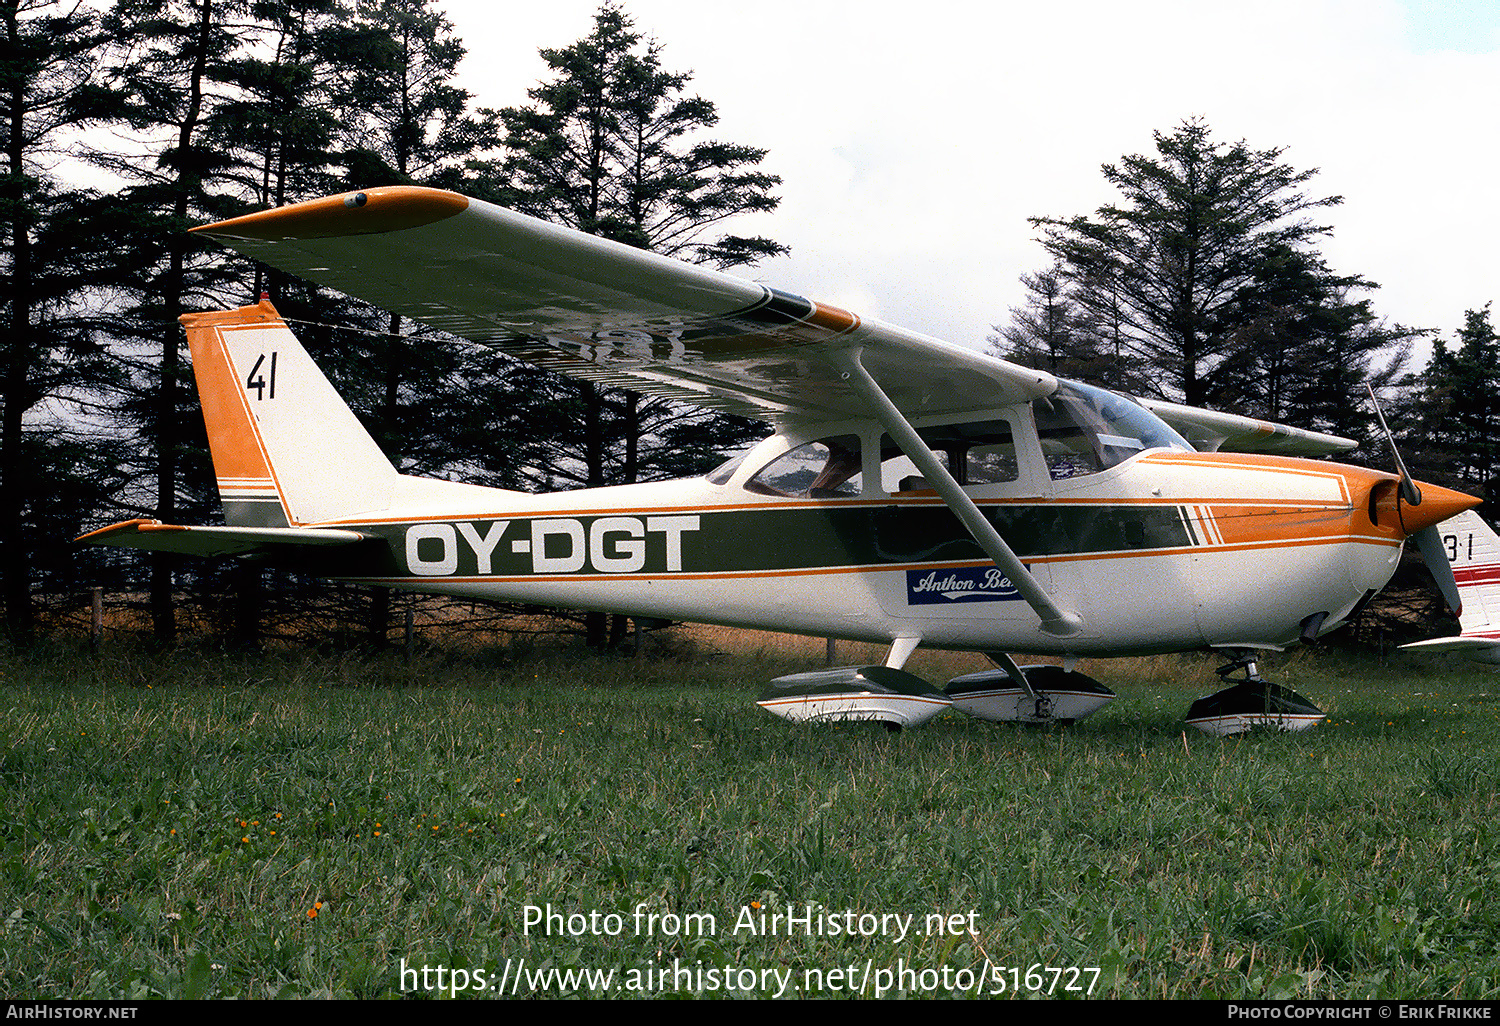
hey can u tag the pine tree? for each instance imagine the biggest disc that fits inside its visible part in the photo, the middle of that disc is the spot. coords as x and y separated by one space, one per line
170 82
1301 348
1454 422
605 147
602 149
402 120
1051 332
1170 267
49 56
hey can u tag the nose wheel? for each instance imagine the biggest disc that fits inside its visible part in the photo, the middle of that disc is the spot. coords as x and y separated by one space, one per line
1251 702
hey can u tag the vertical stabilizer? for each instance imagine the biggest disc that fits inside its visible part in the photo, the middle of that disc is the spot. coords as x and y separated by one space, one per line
287 450
1474 550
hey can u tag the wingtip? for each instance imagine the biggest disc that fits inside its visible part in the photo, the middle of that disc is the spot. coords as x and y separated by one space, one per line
363 212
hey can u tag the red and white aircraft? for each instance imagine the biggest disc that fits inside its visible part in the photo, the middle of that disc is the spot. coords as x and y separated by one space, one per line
1473 549
914 492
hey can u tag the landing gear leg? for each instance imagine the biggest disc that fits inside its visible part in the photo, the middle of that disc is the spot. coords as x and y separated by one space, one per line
1041 704
1028 694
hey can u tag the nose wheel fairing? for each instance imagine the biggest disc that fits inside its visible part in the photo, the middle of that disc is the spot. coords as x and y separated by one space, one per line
1252 703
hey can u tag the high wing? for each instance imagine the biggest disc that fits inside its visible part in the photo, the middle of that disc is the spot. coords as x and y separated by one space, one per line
623 317
1210 431
154 536
613 314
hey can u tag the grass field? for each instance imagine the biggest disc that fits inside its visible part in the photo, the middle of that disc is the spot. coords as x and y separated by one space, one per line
200 825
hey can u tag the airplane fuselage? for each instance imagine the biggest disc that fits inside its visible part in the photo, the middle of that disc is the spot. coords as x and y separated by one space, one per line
1169 550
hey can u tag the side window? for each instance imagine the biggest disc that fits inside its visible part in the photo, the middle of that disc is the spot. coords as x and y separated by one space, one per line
977 453
1069 432
991 463
898 475
724 471
1084 430
826 469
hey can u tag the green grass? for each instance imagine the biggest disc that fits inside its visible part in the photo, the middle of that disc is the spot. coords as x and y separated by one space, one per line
169 825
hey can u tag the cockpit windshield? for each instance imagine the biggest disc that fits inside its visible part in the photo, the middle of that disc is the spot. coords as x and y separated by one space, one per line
1084 430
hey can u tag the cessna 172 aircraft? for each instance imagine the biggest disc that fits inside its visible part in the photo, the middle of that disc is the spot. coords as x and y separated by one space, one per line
1473 550
914 492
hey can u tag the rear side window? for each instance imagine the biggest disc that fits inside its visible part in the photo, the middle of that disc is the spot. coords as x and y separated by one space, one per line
826 469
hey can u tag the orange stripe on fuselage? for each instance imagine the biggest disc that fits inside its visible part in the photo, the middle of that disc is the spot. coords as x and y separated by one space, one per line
1295 521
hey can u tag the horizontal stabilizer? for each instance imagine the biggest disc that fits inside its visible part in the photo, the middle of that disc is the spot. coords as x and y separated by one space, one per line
1457 644
155 536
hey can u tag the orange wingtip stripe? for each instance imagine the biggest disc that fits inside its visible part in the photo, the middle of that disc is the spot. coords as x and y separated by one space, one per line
366 212
122 526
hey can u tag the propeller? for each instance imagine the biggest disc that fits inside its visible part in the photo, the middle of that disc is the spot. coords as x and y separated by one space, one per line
1429 539
1410 493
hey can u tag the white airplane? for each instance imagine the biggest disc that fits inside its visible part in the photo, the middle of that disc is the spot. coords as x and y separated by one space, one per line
914 492
1473 549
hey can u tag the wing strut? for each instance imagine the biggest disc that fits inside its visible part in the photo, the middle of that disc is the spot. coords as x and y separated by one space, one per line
1054 620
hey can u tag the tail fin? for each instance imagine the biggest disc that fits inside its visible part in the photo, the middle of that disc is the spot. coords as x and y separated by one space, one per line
1474 550
287 450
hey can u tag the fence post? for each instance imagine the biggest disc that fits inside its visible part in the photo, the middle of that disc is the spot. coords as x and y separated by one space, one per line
96 620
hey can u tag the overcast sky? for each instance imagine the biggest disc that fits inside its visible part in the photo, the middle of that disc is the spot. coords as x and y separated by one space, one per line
914 140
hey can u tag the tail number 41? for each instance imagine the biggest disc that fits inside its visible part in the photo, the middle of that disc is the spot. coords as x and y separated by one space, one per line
263 385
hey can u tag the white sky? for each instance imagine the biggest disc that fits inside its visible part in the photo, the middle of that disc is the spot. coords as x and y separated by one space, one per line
914 140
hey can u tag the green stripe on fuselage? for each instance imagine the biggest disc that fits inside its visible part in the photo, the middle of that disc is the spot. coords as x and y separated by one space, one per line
739 541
